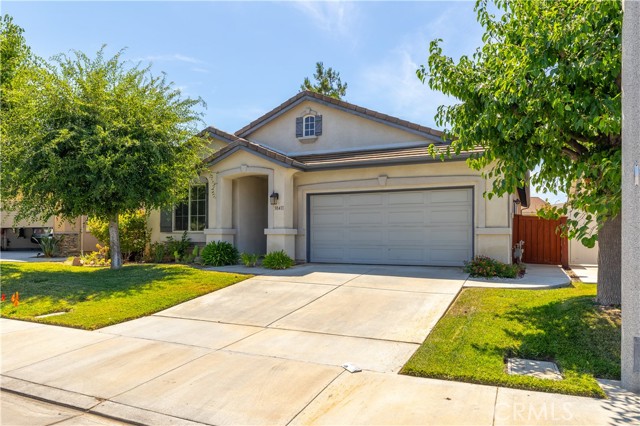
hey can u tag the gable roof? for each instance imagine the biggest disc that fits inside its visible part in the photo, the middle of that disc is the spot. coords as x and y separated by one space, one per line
363 158
241 144
427 132
218 134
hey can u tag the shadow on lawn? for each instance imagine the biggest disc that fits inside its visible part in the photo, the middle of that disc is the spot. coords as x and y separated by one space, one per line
78 284
573 332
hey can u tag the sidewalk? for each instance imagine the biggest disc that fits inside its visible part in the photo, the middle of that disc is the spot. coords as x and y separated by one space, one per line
151 382
269 351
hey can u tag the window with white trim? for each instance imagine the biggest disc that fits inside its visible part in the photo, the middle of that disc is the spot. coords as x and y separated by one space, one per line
309 126
188 215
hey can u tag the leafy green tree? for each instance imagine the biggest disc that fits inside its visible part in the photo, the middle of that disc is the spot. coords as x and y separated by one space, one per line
327 82
96 137
544 89
15 55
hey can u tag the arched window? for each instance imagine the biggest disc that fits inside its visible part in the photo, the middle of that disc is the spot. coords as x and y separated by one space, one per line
309 126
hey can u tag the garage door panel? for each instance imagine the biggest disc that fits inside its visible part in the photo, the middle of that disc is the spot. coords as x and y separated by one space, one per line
359 218
327 236
400 198
415 236
407 217
365 200
366 254
328 218
327 201
365 236
450 236
330 253
406 254
454 216
448 257
451 196
422 227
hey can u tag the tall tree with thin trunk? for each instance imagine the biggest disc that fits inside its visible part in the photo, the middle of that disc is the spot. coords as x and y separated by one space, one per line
327 82
544 90
97 137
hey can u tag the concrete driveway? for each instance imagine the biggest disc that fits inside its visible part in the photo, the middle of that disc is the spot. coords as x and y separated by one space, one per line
269 350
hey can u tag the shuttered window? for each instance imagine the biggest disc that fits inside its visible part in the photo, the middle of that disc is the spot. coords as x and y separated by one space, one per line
308 126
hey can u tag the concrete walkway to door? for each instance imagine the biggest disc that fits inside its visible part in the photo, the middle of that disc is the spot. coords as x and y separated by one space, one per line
269 350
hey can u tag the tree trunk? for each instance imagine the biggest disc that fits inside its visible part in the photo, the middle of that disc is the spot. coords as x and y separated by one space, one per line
609 265
114 243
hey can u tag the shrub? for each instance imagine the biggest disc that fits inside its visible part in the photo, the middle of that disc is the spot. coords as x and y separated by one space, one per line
100 257
277 260
157 252
219 253
133 230
249 259
483 266
178 246
49 245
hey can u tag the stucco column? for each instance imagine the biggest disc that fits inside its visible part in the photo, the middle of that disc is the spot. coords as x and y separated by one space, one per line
630 196
281 232
222 227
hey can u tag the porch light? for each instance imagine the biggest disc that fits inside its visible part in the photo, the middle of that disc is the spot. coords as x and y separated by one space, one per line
274 198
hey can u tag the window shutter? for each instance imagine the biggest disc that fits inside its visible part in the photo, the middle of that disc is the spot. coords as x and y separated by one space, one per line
298 127
166 216
318 125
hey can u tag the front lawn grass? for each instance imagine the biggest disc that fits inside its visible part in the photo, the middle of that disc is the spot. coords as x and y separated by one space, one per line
485 326
97 297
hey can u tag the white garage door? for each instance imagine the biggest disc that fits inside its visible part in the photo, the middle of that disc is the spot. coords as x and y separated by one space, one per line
425 227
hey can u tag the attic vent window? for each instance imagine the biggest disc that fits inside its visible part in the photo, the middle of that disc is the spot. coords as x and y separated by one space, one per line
308 126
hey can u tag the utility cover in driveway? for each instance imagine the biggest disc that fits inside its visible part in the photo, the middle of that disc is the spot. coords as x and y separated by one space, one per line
424 227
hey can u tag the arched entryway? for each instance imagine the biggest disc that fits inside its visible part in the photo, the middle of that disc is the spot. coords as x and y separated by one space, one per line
250 215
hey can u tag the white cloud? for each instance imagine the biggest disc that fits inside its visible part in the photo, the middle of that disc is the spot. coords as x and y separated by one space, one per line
334 17
176 57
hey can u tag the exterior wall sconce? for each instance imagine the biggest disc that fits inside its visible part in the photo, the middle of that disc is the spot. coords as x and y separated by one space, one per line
274 198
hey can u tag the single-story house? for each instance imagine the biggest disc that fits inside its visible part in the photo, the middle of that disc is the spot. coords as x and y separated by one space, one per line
24 234
329 181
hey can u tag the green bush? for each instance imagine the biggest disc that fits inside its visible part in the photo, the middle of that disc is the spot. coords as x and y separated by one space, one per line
249 259
157 252
219 253
133 230
483 266
277 260
180 246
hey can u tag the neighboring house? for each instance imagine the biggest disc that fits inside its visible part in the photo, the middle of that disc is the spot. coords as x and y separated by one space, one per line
329 181
17 235
535 204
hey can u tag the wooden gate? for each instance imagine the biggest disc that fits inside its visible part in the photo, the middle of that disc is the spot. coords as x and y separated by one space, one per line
542 244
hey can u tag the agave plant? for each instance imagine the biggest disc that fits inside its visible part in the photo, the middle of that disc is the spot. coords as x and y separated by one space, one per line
49 245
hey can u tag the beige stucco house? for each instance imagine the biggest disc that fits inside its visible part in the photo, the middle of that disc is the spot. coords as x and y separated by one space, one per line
329 181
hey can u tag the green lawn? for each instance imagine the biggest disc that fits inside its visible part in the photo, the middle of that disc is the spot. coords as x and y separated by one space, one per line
486 326
97 297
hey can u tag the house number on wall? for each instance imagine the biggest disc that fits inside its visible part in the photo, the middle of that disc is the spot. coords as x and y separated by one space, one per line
279 208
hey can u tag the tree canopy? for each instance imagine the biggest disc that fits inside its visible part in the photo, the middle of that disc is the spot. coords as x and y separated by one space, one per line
327 82
544 90
94 136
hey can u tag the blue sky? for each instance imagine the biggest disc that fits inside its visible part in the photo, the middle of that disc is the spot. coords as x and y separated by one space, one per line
245 58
